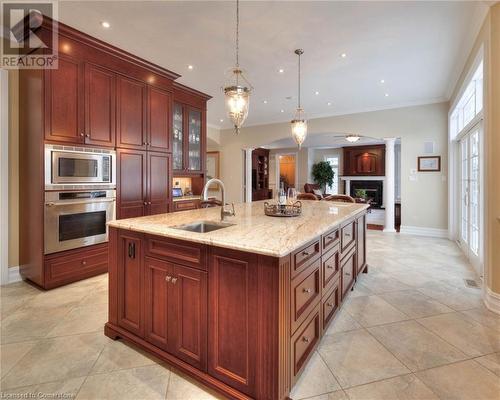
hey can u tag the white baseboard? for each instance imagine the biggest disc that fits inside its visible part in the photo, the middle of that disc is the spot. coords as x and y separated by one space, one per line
492 300
14 275
421 231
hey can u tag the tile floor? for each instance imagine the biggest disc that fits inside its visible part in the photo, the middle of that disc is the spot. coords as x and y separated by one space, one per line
409 330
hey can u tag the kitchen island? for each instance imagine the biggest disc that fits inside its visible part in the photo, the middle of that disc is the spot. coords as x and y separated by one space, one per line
240 308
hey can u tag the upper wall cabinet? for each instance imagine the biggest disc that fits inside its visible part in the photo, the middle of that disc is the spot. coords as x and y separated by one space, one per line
63 88
364 160
159 120
131 114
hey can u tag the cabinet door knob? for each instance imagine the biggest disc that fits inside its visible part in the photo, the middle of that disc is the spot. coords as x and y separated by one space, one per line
174 280
145 203
82 134
168 278
87 135
149 203
307 290
305 339
84 262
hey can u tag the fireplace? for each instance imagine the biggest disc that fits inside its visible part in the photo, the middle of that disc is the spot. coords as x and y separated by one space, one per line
374 191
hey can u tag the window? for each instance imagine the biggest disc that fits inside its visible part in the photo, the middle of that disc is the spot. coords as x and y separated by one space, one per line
469 105
334 162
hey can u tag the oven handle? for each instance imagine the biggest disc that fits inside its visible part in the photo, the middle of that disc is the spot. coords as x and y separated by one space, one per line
70 203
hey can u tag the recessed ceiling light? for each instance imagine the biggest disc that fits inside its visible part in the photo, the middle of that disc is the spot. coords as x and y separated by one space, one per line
329 103
221 120
190 67
382 81
105 24
387 95
281 70
316 92
282 111
265 101
343 55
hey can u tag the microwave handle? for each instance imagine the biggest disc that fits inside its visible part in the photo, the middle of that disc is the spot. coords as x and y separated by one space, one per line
70 203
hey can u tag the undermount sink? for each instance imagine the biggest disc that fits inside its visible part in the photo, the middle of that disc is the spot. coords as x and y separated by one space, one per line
203 226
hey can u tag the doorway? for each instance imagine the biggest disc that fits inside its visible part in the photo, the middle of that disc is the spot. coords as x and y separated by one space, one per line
470 239
286 170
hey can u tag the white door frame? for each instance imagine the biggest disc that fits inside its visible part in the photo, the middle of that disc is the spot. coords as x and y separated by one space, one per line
4 176
288 153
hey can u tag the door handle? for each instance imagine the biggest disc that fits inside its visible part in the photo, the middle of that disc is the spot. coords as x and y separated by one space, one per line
131 250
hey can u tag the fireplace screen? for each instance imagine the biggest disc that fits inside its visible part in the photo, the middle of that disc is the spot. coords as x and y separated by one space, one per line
372 190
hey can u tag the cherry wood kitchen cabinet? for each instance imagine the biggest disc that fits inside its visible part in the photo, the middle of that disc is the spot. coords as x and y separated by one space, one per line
98 96
143 186
243 323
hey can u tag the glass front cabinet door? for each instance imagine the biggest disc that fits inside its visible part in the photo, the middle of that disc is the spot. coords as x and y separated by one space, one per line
187 140
178 140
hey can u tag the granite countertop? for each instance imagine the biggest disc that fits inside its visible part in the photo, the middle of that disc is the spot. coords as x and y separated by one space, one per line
253 230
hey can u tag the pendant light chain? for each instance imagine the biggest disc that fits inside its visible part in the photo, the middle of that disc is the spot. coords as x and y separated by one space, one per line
237 33
299 80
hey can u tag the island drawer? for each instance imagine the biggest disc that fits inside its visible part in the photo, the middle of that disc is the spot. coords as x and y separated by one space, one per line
304 342
330 304
179 251
306 255
306 293
347 237
330 239
330 267
348 265
183 205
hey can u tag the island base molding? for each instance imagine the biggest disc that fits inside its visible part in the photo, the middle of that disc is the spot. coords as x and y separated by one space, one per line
115 332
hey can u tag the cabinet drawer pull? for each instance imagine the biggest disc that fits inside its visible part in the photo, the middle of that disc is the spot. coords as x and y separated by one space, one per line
330 237
329 304
329 266
305 339
347 235
306 253
347 273
307 290
174 280
168 278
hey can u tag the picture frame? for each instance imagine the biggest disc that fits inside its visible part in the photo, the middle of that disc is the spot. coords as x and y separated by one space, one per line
429 164
213 167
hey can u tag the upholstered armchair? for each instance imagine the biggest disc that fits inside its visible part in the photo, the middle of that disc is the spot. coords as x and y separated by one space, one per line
340 198
311 187
307 196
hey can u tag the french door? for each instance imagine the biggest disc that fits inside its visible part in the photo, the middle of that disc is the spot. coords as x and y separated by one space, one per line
470 238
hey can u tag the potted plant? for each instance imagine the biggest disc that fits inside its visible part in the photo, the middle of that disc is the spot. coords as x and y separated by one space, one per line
322 173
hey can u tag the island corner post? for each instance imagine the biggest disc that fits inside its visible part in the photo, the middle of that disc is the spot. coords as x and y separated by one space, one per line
242 323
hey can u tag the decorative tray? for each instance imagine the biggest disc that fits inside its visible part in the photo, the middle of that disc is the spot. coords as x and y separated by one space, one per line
282 210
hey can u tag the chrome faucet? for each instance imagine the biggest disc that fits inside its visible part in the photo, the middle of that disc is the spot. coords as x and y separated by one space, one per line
223 211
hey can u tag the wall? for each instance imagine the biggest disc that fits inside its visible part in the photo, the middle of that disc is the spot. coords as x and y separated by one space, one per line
489 39
424 200
13 169
301 166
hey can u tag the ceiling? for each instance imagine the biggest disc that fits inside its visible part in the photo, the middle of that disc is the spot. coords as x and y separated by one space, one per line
322 141
417 48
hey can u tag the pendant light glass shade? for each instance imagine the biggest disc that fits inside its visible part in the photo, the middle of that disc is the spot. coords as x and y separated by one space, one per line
237 90
299 122
299 127
237 98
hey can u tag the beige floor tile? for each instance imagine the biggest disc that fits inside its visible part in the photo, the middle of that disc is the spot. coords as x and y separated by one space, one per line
19 289
337 395
181 387
143 383
10 354
469 336
406 387
491 361
81 319
68 296
484 317
415 346
452 296
466 380
356 358
66 389
381 282
415 304
373 310
360 290
12 304
342 322
28 324
120 355
315 380
56 359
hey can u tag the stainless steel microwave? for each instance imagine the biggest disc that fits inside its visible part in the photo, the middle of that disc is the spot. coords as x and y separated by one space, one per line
69 167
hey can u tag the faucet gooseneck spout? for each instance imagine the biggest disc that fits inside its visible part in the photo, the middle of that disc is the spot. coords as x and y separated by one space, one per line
223 212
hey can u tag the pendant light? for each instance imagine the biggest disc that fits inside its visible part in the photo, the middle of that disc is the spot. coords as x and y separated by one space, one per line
299 122
237 90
